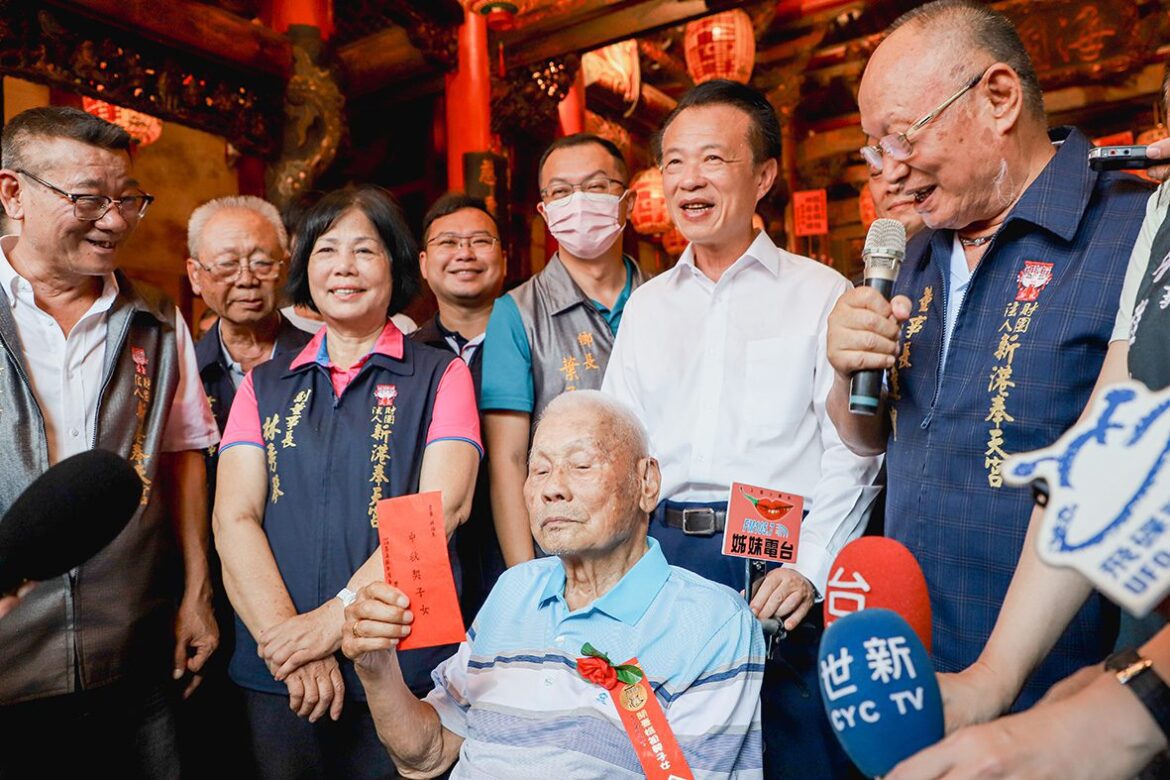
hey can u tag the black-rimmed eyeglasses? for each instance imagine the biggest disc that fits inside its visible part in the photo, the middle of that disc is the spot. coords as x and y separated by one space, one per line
91 208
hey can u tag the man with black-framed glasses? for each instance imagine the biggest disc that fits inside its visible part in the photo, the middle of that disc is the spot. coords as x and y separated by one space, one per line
92 360
1001 318
462 261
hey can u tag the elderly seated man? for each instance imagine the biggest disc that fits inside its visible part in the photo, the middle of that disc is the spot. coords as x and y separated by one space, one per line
511 702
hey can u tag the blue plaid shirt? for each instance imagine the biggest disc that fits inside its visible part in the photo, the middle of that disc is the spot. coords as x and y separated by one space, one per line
1026 349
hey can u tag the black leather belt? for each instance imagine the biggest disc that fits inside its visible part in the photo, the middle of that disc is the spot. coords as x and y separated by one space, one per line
695 521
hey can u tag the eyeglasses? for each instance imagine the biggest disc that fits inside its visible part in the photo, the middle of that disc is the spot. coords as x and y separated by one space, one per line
598 185
449 243
91 208
228 269
898 145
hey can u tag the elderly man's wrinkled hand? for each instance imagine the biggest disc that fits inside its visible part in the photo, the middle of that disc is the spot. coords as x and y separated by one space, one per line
863 330
785 595
302 638
315 689
375 622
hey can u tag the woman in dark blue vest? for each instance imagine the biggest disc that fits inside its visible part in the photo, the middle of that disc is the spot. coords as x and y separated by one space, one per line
314 441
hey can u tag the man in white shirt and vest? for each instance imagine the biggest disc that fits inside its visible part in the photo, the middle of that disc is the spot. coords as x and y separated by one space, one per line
91 360
723 358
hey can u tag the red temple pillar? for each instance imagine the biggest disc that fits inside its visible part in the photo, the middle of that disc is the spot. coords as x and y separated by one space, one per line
282 14
572 108
468 98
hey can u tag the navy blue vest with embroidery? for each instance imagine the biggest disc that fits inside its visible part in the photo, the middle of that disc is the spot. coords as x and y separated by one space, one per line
329 461
1027 345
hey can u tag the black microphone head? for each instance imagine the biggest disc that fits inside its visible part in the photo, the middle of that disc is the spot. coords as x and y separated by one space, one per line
66 515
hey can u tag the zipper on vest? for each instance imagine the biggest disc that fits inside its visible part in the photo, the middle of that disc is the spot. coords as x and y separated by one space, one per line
106 379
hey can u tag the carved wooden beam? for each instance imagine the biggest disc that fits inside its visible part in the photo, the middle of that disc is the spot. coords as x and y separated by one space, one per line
665 63
195 27
653 107
601 26
382 59
71 51
444 13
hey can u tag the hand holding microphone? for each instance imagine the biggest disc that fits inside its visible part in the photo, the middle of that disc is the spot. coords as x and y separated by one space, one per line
863 326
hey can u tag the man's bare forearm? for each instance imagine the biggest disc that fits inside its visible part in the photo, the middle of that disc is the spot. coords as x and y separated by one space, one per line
187 504
409 729
863 434
506 434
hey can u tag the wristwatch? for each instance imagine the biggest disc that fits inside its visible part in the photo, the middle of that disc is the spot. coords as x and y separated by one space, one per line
347 596
1137 674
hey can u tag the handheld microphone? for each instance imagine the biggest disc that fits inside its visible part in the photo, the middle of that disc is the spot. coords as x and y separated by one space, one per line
885 247
65 516
879 689
874 571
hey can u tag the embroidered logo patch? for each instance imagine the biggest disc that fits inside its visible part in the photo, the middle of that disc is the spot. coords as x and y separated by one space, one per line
1033 278
386 394
139 356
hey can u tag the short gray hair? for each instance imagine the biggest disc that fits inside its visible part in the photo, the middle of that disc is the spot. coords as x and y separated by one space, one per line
202 215
986 29
627 429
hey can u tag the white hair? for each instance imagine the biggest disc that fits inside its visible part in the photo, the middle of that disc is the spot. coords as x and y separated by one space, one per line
202 215
628 431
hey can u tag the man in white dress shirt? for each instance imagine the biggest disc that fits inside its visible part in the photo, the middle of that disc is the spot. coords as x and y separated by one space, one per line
723 358
91 360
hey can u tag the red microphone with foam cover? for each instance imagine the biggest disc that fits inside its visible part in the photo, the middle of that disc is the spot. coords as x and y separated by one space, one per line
877 572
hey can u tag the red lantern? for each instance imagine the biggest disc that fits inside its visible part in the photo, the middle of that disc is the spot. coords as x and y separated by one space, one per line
673 241
650 215
721 46
143 128
501 14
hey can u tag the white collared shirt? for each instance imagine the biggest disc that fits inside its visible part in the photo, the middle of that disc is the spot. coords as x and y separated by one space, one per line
957 286
731 379
467 351
66 372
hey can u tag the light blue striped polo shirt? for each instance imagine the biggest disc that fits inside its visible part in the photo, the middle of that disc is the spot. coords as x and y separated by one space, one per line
513 692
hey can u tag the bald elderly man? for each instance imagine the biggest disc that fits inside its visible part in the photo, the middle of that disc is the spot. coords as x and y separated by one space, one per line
1001 319
511 703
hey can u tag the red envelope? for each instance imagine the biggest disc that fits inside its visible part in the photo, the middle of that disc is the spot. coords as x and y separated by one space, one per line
414 556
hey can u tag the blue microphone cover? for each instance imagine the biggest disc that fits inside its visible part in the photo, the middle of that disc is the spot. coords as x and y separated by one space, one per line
879 689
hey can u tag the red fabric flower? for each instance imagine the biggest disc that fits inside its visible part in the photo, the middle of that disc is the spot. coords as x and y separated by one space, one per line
598 670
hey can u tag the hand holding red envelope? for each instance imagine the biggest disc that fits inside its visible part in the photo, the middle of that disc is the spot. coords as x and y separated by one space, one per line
414 556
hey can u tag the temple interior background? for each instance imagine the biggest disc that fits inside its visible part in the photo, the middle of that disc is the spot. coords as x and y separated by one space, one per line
284 98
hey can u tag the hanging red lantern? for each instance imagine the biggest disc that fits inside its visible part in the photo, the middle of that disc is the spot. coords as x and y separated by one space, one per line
501 14
673 241
721 46
651 215
143 128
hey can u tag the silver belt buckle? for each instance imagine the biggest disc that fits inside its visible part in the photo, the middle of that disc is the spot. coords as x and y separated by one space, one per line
699 521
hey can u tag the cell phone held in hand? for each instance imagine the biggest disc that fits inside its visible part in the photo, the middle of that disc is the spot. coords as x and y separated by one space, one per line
1121 158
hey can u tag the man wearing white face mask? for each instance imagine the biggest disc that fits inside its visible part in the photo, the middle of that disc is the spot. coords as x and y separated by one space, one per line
555 332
